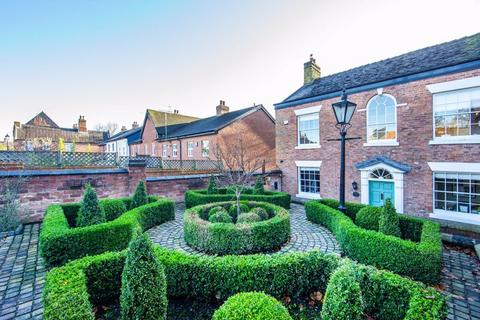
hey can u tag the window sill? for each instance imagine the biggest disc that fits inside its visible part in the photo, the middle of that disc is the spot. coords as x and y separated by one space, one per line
454 141
382 144
304 195
469 218
303 147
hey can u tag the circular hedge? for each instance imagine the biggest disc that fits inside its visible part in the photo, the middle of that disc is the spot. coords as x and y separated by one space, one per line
251 306
236 238
197 197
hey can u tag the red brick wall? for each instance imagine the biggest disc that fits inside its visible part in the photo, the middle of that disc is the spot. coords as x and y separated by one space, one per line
259 131
414 131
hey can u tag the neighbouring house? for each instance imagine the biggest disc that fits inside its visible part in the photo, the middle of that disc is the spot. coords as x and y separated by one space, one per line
196 140
120 143
42 133
418 117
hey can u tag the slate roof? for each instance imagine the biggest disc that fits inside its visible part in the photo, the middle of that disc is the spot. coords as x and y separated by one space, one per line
205 126
443 55
131 135
42 116
383 160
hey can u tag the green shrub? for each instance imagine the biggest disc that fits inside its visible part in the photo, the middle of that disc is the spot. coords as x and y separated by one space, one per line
212 186
197 197
140 197
352 207
240 238
91 212
248 217
113 208
221 216
386 296
214 210
343 298
421 261
259 189
144 288
368 217
60 243
233 212
261 212
388 223
251 306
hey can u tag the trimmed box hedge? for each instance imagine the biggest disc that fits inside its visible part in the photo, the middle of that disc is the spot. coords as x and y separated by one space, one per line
197 197
419 259
61 242
72 290
240 238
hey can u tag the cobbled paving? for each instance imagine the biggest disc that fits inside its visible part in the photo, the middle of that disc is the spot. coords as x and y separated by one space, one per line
306 236
22 276
22 272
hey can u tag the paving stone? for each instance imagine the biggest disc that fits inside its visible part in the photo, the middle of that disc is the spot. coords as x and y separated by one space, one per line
305 236
19 261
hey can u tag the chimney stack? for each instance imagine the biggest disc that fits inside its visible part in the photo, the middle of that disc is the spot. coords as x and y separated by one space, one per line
123 128
222 108
311 71
82 124
134 124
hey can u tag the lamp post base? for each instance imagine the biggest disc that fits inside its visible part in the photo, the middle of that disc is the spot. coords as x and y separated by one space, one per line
342 209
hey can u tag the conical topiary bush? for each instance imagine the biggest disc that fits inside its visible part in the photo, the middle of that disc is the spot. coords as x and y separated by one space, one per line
91 212
140 196
144 287
389 223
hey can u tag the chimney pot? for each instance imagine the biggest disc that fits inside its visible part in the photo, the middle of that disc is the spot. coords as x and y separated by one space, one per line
82 124
311 71
123 128
134 124
222 108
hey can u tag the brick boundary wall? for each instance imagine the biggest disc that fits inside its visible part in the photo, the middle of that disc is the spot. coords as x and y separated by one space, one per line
44 187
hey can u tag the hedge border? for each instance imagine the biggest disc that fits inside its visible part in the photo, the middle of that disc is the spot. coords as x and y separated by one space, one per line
71 289
418 260
59 243
197 197
229 238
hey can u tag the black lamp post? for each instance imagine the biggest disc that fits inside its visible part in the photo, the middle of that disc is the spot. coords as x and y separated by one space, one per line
7 137
343 111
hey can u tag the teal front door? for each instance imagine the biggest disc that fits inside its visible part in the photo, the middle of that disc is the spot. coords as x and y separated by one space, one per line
379 191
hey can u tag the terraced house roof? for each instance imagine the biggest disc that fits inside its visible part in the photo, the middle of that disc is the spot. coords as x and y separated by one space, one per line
464 51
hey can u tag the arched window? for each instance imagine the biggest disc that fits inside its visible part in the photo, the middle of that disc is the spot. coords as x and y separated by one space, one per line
381 174
382 119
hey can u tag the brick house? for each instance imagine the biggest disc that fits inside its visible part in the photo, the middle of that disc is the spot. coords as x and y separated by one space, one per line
197 139
418 117
42 133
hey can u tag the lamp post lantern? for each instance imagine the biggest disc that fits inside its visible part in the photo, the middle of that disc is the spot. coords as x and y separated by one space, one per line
343 111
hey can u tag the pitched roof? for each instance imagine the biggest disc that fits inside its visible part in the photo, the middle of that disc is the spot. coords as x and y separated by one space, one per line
206 126
383 160
43 120
159 118
439 56
131 135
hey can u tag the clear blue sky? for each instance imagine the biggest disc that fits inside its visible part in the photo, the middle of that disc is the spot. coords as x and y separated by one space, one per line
109 60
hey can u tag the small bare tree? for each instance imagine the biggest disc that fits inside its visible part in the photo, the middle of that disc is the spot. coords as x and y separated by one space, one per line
237 161
110 127
10 203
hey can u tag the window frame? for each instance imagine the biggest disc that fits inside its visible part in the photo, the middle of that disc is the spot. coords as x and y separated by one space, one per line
309 195
457 212
458 138
164 150
207 148
308 116
383 142
174 150
190 145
